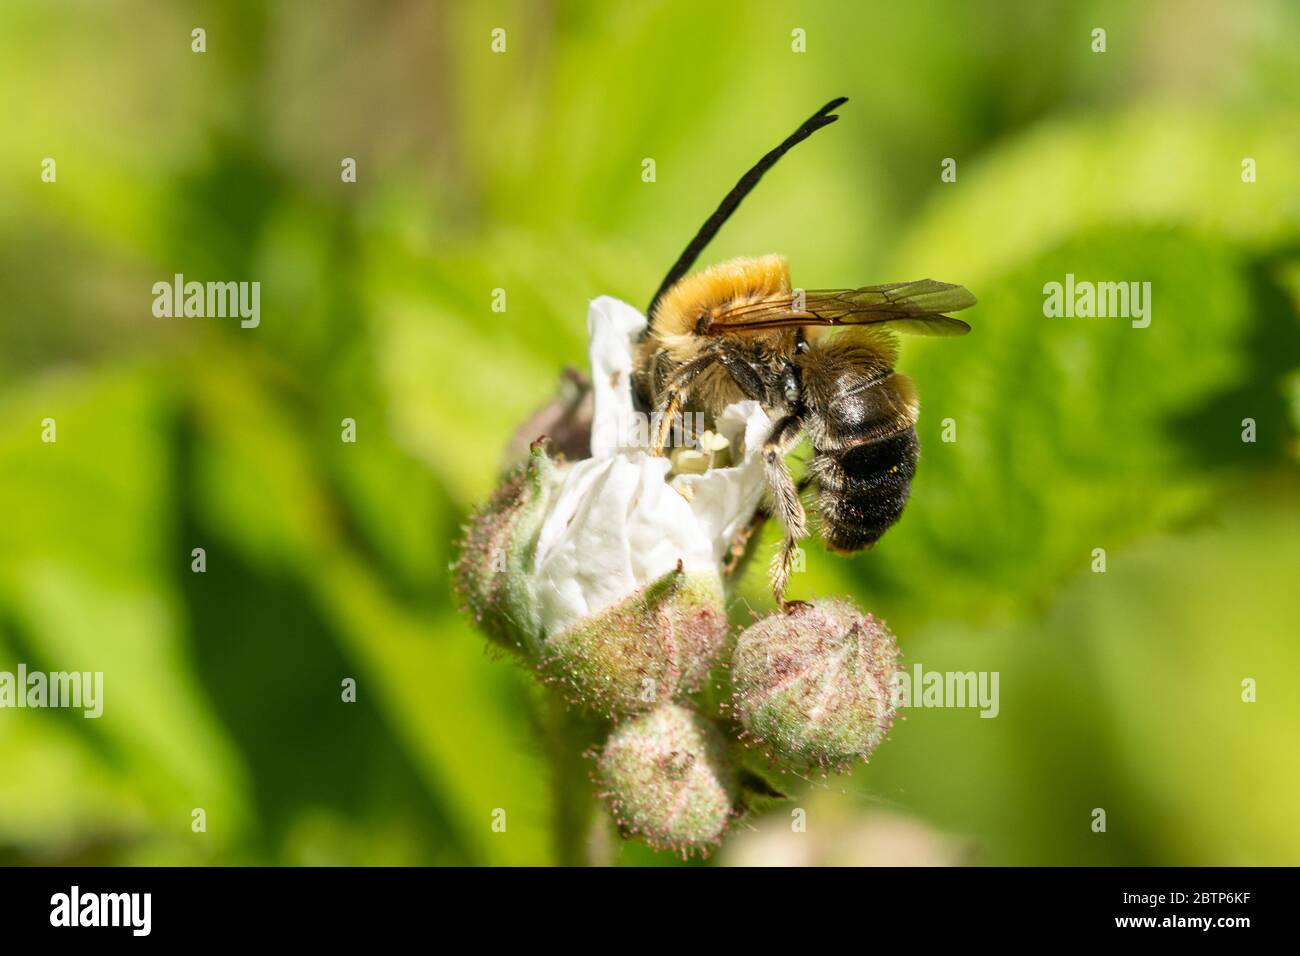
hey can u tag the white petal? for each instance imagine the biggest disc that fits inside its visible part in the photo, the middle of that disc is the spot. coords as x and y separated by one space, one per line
612 330
613 526
724 499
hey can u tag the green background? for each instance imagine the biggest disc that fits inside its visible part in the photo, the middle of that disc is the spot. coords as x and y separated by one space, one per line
522 171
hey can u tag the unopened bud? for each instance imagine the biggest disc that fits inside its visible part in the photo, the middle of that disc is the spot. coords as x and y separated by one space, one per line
813 683
667 779
645 650
493 574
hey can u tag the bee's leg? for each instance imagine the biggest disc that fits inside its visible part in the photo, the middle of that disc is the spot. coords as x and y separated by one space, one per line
752 387
786 505
678 387
743 374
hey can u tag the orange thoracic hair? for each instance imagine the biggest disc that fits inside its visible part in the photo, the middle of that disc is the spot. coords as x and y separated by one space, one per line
719 287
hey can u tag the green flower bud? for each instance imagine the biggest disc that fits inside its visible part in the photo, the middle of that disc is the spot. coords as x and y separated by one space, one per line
645 650
667 779
813 683
493 574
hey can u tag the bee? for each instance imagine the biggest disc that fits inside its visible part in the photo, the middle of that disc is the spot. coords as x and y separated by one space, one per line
739 330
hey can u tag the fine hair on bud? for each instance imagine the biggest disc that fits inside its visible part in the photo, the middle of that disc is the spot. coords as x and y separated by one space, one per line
492 574
812 684
650 647
668 780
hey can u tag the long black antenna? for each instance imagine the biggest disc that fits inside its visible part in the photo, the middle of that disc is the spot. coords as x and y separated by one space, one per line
823 117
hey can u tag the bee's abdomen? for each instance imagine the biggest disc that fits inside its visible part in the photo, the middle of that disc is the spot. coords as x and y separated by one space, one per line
863 488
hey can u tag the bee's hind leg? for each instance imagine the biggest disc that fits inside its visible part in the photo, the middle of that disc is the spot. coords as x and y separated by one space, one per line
786 506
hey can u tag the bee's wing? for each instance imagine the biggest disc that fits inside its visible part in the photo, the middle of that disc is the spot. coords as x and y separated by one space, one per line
917 307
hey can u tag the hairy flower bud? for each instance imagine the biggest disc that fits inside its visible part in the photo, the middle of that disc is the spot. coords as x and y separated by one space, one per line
647 648
813 683
492 575
667 779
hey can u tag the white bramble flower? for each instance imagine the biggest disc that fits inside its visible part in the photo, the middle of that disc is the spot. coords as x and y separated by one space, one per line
618 521
607 571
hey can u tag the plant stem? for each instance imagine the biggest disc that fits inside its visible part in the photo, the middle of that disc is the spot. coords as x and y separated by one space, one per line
569 734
